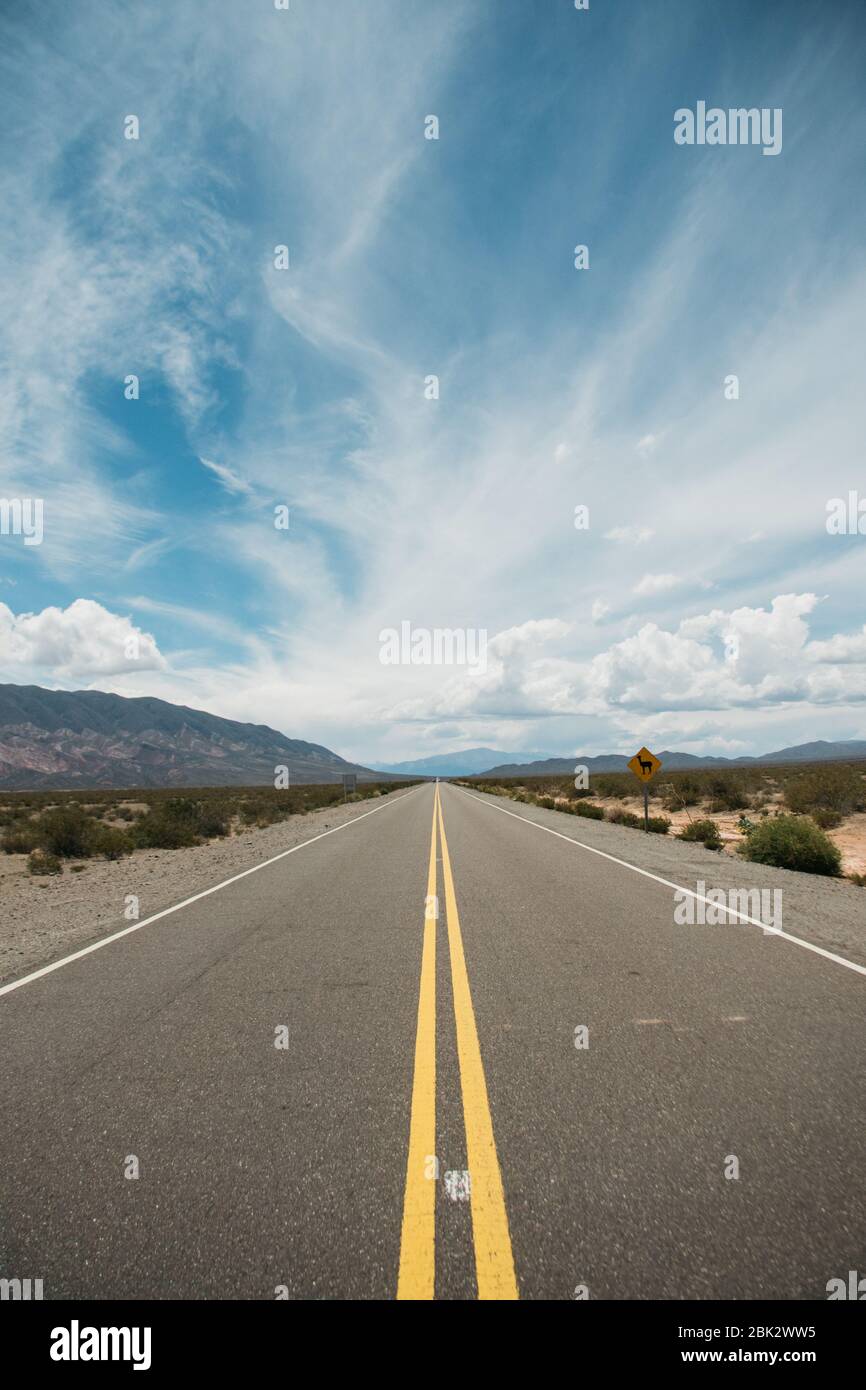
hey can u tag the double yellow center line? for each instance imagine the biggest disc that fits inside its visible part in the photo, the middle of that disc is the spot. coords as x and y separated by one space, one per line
494 1261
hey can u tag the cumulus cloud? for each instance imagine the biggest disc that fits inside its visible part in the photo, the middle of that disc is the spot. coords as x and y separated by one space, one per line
746 657
83 641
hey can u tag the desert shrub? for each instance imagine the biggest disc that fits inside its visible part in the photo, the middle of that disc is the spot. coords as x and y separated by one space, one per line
859 879
108 841
172 824
67 831
832 787
825 817
41 862
658 825
684 790
726 792
588 809
20 838
547 802
610 784
213 820
792 842
619 817
706 832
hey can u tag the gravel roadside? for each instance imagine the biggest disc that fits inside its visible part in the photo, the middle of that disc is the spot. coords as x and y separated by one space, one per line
44 918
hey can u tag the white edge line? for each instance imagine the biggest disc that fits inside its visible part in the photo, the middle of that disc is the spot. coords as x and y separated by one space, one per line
167 911
753 921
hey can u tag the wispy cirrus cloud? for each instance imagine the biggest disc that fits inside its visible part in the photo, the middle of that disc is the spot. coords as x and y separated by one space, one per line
306 387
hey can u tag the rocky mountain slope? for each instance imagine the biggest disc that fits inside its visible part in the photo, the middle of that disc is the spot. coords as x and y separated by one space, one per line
86 738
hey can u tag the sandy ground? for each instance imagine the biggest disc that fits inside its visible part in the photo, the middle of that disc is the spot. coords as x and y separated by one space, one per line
850 836
43 918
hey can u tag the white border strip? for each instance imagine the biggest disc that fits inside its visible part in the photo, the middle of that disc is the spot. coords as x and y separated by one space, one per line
167 911
753 921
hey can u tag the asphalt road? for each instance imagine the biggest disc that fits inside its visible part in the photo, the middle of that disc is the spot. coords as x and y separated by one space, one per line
429 991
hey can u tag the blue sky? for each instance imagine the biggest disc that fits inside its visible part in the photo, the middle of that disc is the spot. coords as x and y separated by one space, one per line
454 257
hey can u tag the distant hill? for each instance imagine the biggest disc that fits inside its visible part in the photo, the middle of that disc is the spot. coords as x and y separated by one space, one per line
86 738
460 764
820 751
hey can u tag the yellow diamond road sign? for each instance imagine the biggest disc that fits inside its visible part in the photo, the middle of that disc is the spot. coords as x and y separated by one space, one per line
644 765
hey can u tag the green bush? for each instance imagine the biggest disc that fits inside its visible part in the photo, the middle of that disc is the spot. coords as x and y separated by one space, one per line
588 809
826 818
658 825
173 824
108 842
66 831
41 862
706 832
833 787
547 802
792 842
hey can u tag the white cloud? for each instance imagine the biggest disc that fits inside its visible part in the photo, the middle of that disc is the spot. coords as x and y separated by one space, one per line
652 584
658 671
231 481
83 641
600 610
841 648
635 535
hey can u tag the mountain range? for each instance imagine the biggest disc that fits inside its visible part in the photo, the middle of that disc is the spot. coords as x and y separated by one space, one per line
818 752
459 764
86 738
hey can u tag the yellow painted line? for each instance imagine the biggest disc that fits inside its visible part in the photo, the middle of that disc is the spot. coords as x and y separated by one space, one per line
417 1275
494 1261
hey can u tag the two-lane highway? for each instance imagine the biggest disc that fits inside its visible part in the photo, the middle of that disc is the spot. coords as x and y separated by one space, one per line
438 1054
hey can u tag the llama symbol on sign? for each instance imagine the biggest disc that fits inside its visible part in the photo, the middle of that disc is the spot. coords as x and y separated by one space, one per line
644 765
